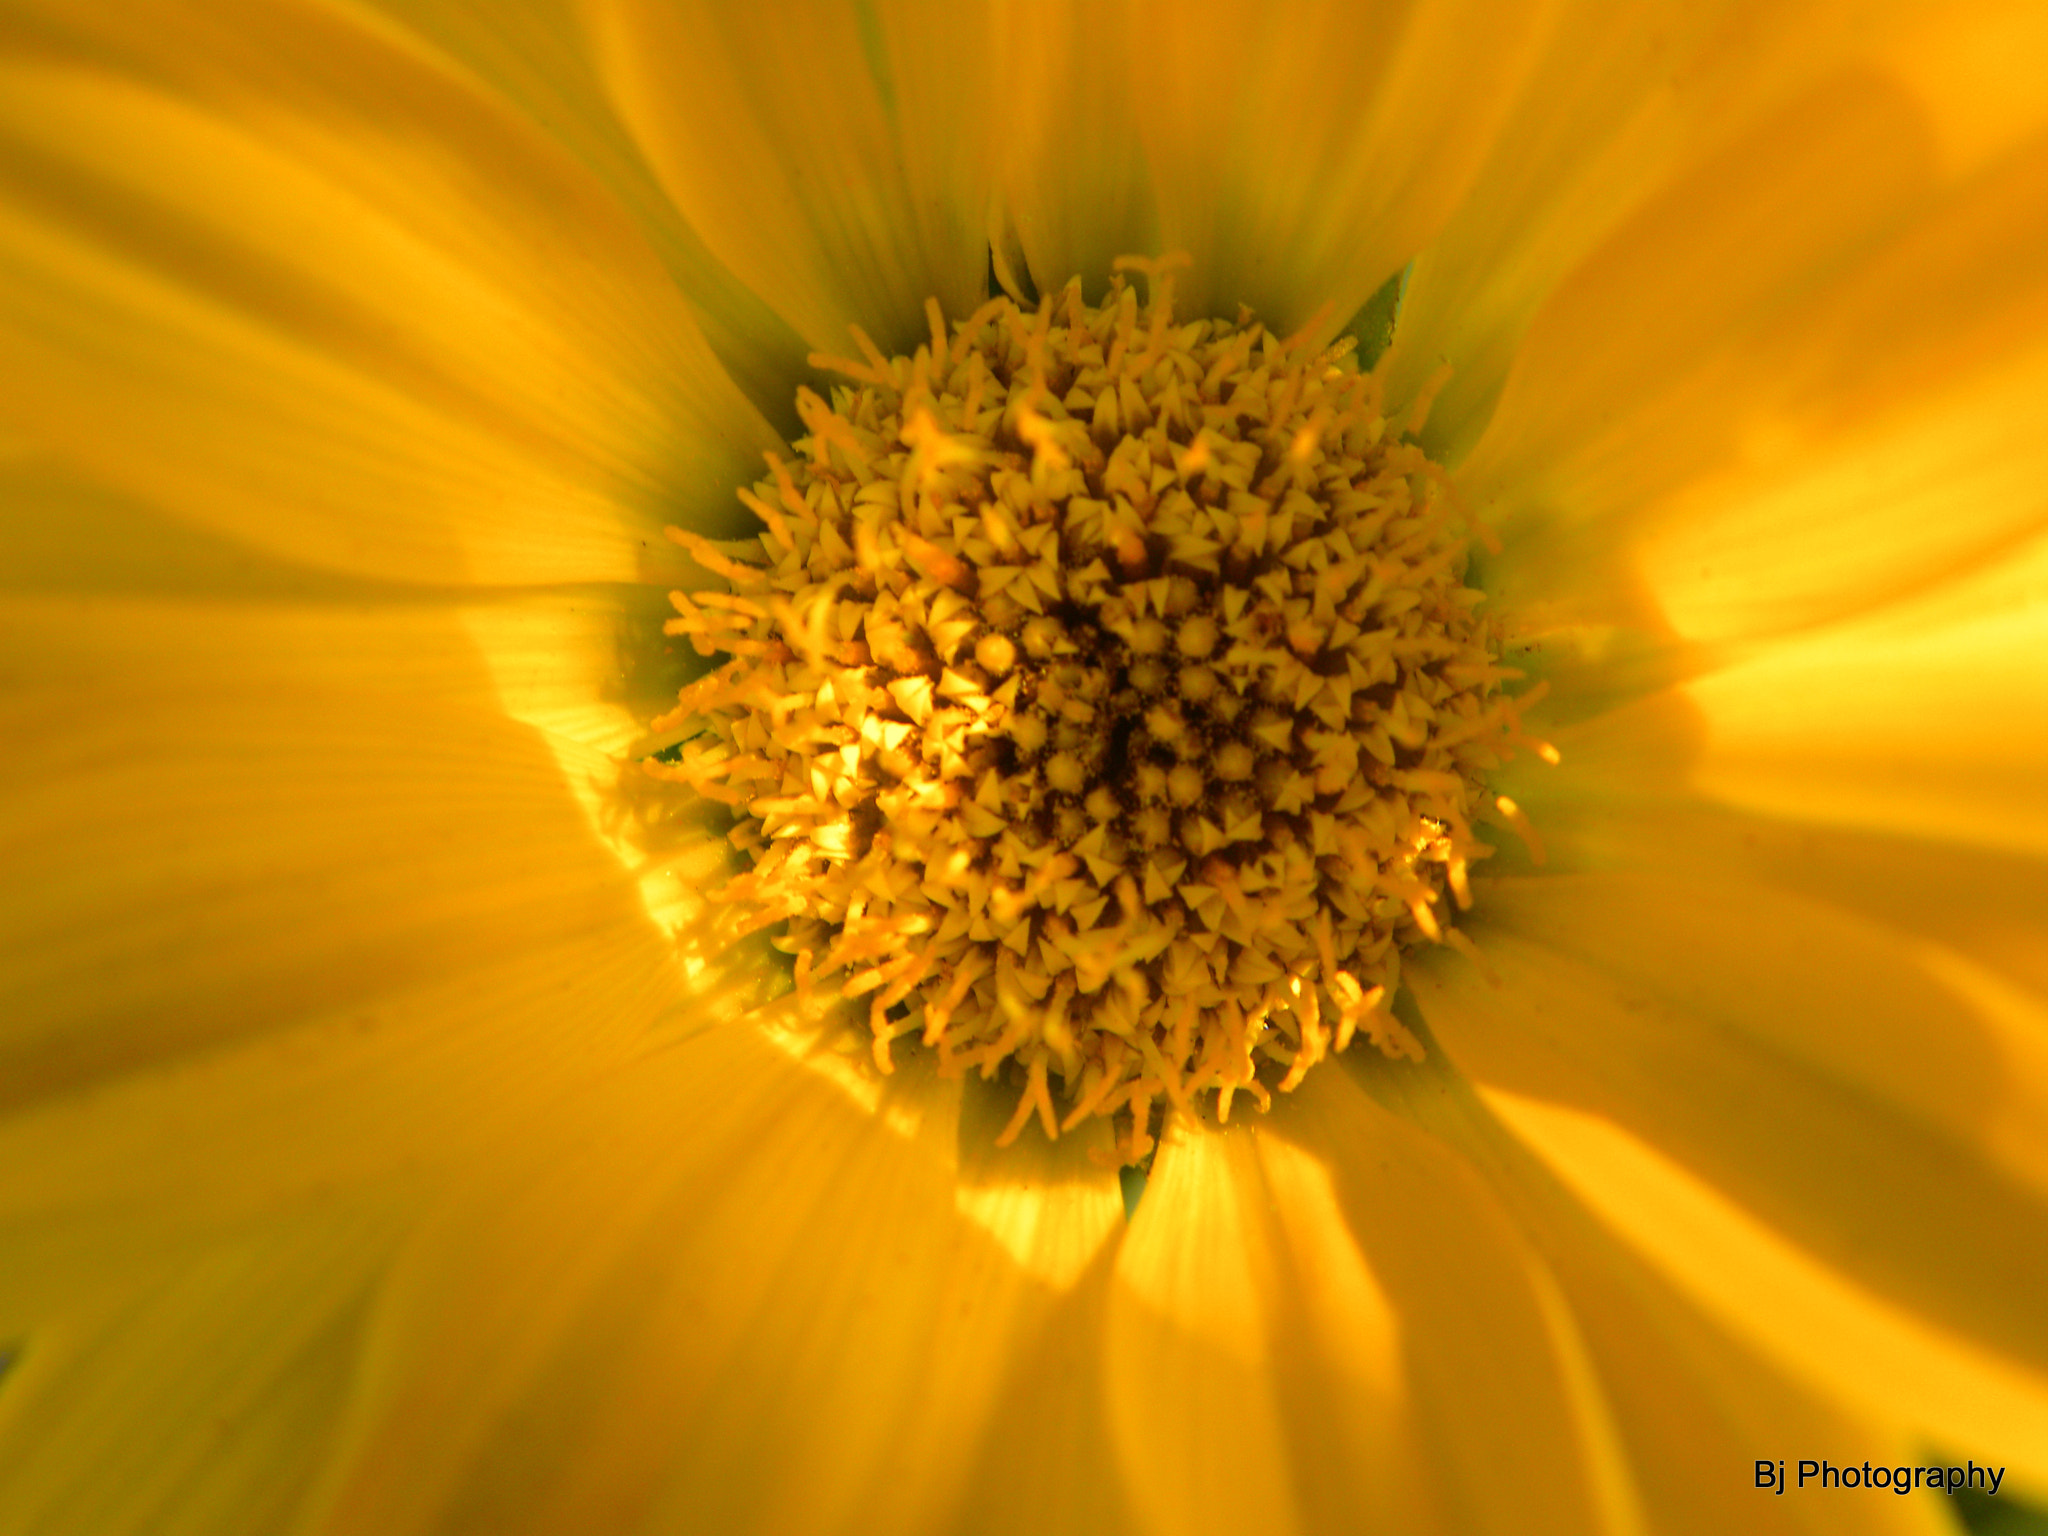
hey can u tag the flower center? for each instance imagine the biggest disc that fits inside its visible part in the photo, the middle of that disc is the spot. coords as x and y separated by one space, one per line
1105 703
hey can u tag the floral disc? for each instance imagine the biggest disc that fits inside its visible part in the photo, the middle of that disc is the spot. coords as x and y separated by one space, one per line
1103 700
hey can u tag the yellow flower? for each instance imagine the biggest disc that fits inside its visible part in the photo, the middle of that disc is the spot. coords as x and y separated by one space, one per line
387 1146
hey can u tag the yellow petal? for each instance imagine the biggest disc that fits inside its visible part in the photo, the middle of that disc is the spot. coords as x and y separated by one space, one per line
1841 1087
1075 180
226 816
1660 314
1050 1205
839 162
1305 164
1800 385
1626 802
303 924
1851 1000
196 1401
352 1109
1619 104
1380 1248
528 1119
1044 1460
310 289
1838 1337
1511 1424
1982 907
109 592
313 832
715 1289
1936 870
1326 1320
1193 1406
1970 68
1944 485
1939 733
539 55
1671 1401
